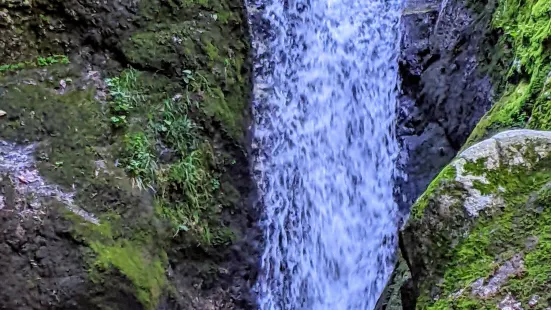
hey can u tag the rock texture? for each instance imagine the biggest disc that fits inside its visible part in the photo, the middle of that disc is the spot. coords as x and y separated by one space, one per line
124 180
446 87
478 236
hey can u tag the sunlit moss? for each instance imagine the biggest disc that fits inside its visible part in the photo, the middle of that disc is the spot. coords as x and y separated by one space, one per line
526 27
445 176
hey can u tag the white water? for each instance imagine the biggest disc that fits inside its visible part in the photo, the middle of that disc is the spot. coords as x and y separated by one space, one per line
324 110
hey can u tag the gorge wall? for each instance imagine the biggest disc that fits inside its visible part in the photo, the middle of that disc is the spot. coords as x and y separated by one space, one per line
446 85
477 238
124 177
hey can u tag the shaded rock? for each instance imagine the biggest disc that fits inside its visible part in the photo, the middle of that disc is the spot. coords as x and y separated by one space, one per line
445 87
391 298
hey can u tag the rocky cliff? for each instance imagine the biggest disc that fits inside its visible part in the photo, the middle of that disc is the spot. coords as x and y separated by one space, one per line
477 237
123 172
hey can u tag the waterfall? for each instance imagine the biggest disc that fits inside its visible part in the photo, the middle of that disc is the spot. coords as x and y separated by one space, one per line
325 87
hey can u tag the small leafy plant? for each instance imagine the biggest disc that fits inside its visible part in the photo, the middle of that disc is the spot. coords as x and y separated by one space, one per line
187 76
123 98
139 159
38 62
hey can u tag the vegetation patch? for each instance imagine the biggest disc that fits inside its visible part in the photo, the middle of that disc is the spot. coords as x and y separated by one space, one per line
163 148
74 151
149 161
526 28
447 175
136 257
204 44
35 63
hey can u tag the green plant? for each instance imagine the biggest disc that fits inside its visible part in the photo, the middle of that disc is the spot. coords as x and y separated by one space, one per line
215 184
118 120
187 76
189 175
177 128
123 97
202 85
50 60
187 189
38 62
139 160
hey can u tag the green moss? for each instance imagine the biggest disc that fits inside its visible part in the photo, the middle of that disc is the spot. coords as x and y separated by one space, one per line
537 261
36 112
222 87
134 255
75 133
541 111
199 45
527 28
153 49
224 16
146 273
507 112
229 111
447 174
72 124
37 62
477 167
212 51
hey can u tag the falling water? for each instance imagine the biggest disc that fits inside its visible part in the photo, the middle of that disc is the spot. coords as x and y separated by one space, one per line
324 144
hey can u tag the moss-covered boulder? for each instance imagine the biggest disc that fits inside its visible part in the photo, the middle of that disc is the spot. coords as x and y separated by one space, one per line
479 237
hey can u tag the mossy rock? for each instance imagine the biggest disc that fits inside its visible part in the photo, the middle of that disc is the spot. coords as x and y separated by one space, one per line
478 238
525 101
206 45
109 226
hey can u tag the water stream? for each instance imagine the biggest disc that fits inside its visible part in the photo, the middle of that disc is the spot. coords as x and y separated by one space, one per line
324 109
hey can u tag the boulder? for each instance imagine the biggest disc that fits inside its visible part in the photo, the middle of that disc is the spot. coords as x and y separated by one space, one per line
478 238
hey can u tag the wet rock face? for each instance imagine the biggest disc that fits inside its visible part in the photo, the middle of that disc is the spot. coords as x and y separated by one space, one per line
58 27
76 231
444 92
42 267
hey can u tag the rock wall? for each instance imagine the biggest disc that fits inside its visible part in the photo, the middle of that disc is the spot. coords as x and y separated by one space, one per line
123 166
477 237
446 86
